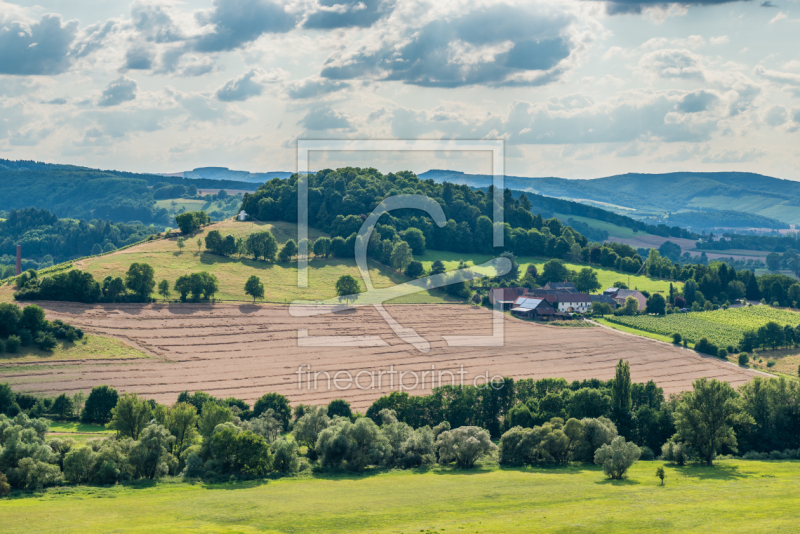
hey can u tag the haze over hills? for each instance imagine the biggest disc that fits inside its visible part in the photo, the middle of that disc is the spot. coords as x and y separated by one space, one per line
642 194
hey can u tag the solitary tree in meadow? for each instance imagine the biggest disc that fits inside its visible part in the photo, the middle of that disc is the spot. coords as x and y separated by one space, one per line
181 243
254 287
199 244
163 289
347 287
660 474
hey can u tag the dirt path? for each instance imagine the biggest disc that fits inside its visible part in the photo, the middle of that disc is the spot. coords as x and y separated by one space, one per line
245 351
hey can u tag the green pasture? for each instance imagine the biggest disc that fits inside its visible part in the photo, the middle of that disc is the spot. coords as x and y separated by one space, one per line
734 496
89 348
606 277
280 279
75 427
612 229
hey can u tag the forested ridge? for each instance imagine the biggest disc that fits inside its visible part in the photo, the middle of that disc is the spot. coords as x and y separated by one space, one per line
83 193
46 239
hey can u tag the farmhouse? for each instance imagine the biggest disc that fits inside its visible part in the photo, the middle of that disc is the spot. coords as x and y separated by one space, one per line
550 295
621 295
536 309
505 296
574 302
561 287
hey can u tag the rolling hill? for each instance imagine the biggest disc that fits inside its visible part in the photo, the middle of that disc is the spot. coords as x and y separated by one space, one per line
660 193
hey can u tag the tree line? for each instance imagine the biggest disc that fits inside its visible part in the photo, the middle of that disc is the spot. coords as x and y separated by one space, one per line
139 285
610 423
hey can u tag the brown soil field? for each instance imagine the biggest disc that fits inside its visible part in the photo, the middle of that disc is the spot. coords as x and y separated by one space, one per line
246 351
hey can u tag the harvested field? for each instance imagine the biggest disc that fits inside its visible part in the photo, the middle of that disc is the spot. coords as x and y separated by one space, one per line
246 351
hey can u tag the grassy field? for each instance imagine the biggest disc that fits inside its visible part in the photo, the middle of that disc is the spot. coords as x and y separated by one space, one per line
280 279
79 432
180 205
88 348
606 277
80 428
734 496
634 331
612 229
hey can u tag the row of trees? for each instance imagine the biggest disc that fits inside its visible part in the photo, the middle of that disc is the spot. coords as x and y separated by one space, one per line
550 421
78 286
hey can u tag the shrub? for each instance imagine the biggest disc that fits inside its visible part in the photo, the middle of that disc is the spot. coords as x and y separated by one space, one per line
771 363
722 354
706 347
617 458
25 337
647 454
676 338
744 358
12 344
464 445
108 473
194 466
46 342
285 458
674 452
78 465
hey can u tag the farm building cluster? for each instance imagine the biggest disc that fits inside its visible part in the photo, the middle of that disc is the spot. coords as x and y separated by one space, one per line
558 300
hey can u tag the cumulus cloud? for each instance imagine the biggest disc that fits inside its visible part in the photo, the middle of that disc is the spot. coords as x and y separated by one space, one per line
697 102
324 118
155 23
673 63
93 38
788 81
37 48
235 24
314 87
776 116
240 88
497 45
628 117
329 14
139 58
121 90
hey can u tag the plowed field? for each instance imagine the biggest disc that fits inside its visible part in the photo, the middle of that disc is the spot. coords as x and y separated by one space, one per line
246 351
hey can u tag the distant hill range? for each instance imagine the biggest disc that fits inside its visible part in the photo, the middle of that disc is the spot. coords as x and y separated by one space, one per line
642 194
224 173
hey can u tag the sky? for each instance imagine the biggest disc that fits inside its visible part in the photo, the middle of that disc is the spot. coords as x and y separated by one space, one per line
575 88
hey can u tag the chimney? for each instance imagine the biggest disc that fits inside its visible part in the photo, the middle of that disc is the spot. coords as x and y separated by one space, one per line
19 260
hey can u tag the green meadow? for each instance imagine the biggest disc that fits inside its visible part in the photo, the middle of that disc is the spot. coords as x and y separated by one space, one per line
89 348
606 277
734 496
280 278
